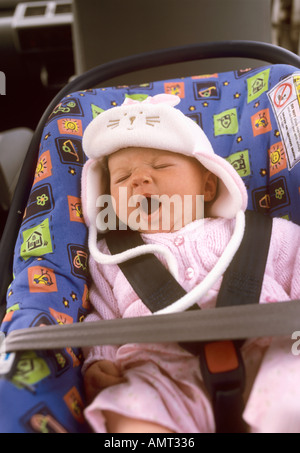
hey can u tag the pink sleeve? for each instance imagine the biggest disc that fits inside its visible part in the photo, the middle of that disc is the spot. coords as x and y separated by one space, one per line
284 256
104 306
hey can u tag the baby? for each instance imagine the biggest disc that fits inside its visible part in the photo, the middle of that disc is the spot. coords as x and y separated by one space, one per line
152 169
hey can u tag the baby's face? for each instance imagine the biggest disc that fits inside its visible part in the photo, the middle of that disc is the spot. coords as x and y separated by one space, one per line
158 191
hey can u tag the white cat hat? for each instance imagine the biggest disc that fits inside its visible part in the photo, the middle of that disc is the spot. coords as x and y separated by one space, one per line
155 123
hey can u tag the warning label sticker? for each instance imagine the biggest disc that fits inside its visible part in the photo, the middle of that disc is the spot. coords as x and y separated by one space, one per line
285 101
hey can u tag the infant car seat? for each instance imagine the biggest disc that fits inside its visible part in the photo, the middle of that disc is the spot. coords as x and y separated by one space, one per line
44 251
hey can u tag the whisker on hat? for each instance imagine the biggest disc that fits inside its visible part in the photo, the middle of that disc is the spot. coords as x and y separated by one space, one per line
113 124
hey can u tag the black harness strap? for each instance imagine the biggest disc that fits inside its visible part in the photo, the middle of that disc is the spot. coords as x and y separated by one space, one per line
221 362
147 275
241 285
243 279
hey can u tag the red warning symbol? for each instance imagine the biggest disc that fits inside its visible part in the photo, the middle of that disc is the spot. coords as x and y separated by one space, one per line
282 94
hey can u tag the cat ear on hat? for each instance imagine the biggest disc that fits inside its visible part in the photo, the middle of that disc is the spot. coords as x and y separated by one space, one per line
163 98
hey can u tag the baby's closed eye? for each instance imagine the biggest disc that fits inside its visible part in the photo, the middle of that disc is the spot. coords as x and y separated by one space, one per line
161 166
122 178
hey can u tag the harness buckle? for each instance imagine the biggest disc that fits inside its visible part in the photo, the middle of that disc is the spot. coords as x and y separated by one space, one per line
223 374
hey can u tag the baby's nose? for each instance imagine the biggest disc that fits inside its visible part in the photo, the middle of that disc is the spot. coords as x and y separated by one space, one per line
140 177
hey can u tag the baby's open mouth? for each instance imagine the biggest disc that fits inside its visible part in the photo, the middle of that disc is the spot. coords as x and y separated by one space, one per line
150 205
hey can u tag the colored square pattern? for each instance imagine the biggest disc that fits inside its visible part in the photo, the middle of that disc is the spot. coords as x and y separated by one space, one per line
240 162
261 122
36 241
176 88
226 123
41 280
44 167
75 209
258 84
277 158
71 126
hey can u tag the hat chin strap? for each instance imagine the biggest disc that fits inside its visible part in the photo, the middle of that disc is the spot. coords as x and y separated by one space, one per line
104 258
196 293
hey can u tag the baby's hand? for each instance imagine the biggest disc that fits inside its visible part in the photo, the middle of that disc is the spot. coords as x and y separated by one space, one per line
98 376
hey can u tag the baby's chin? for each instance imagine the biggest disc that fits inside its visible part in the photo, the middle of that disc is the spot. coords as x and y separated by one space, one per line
155 228
157 231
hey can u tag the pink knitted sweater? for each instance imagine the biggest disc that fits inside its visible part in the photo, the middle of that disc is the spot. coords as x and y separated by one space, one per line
196 248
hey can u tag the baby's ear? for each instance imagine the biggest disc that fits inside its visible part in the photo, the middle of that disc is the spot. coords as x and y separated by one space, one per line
210 188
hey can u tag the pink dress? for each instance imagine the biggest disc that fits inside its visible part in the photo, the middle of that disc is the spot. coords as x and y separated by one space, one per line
163 382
